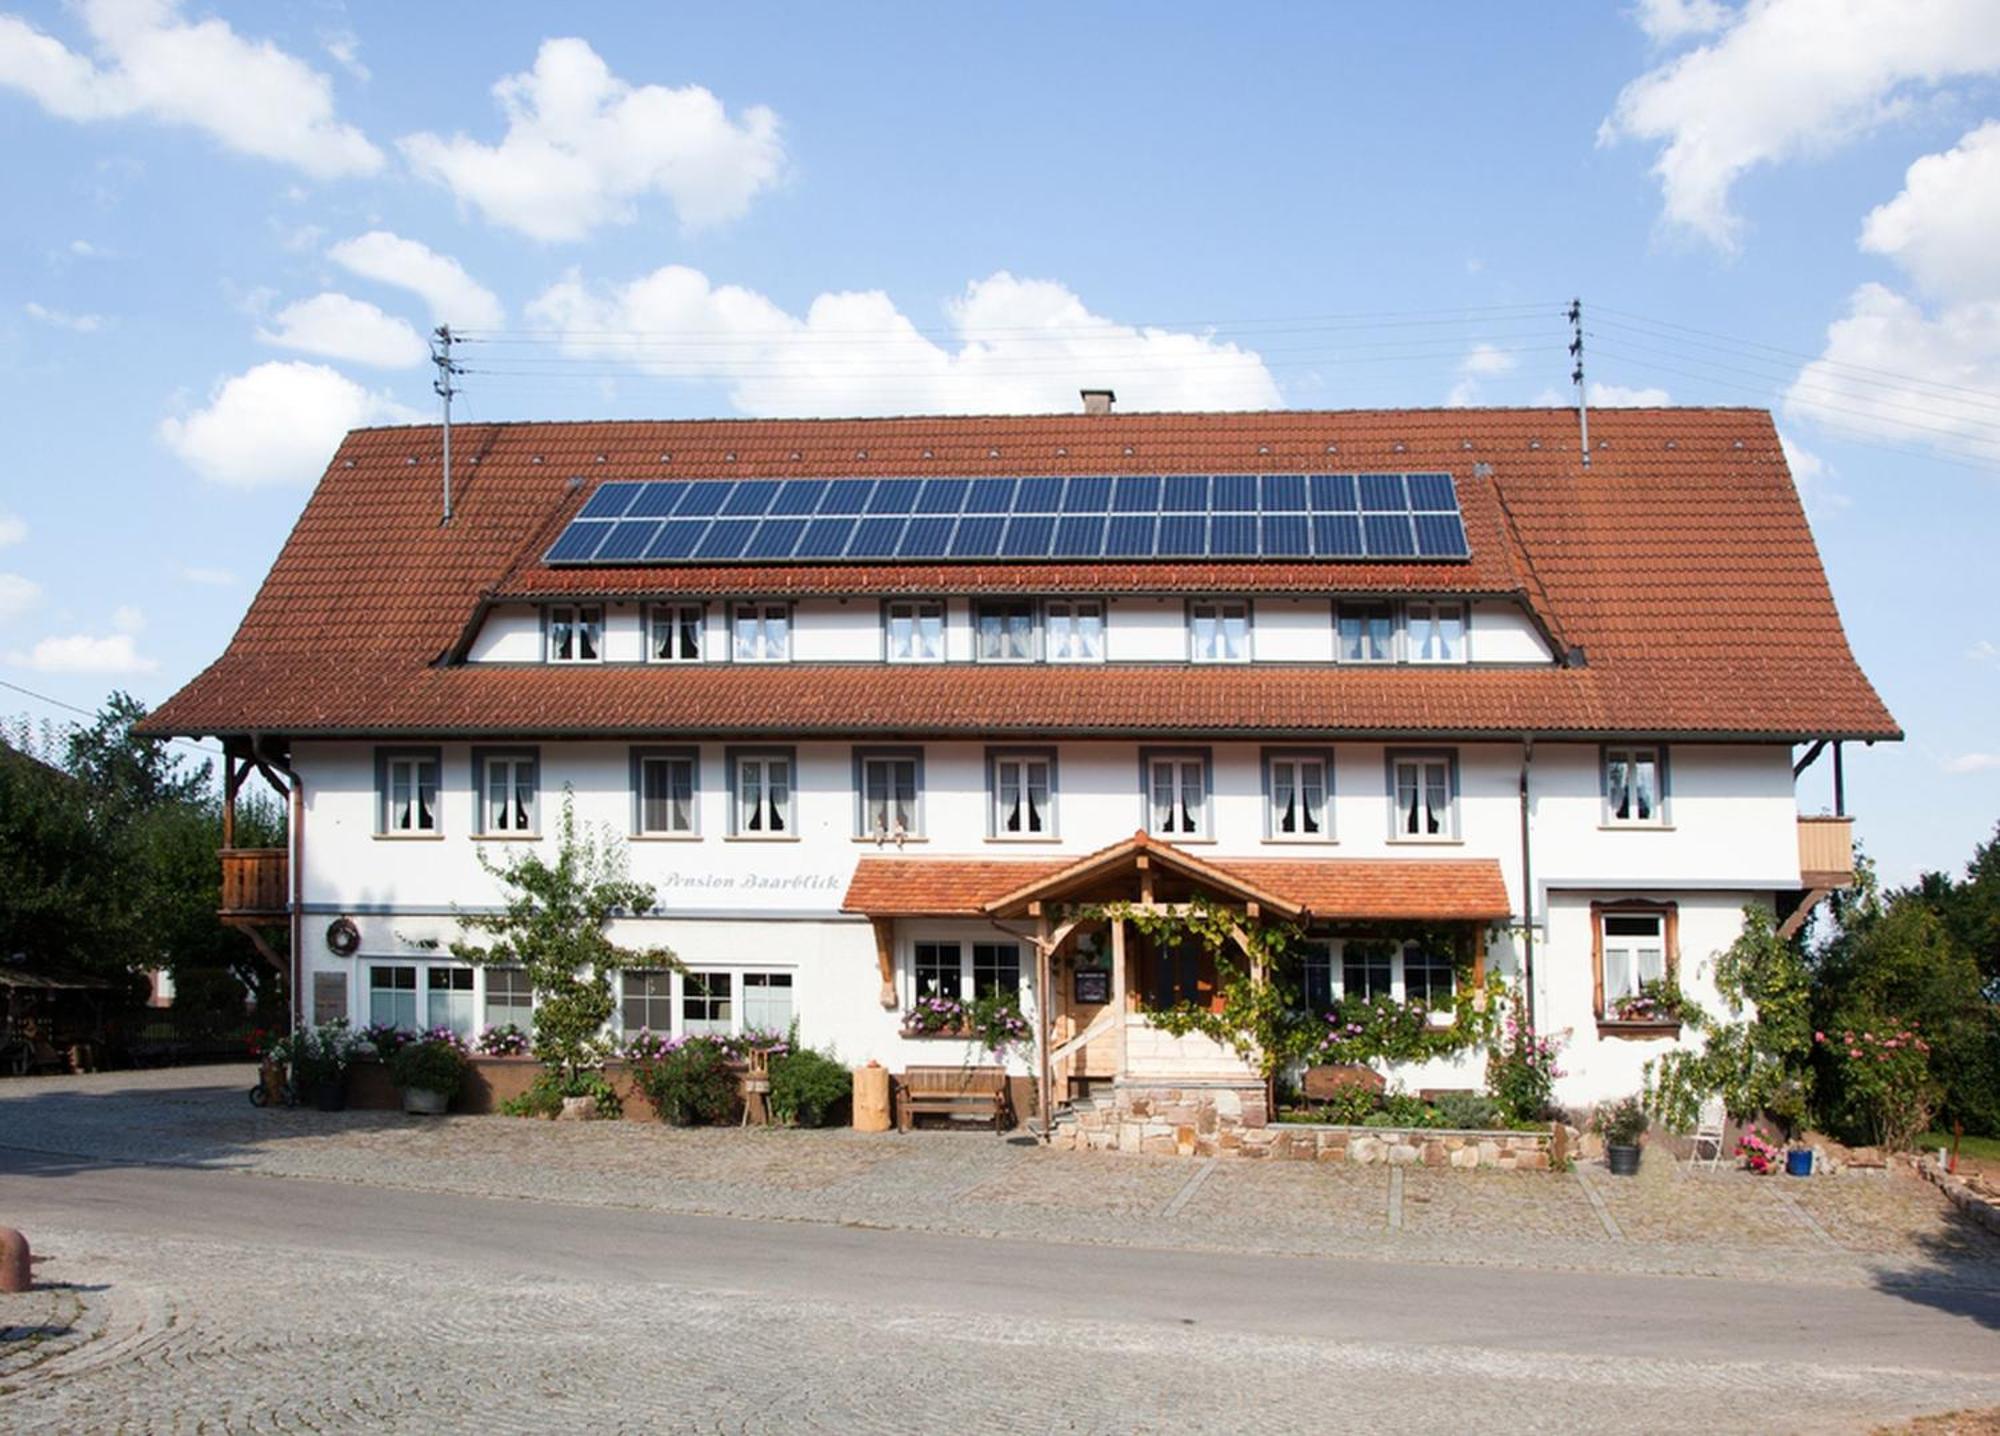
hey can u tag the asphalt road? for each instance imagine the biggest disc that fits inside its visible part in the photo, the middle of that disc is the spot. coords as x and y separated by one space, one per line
1126 1339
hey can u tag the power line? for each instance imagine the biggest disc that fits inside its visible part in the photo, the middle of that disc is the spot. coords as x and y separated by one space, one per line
72 708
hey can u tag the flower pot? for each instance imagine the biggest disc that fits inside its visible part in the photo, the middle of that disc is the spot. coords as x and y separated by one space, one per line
1798 1162
1624 1160
330 1094
423 1102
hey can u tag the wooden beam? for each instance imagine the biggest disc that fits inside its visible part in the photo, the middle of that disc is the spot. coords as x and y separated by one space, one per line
1479 955
1800 913
252 928
1044 1016
885 958
1118 994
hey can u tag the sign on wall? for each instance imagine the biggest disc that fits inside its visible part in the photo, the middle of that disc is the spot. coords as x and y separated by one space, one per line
1091 985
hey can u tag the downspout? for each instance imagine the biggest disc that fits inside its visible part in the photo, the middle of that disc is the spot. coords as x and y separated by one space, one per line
1527 888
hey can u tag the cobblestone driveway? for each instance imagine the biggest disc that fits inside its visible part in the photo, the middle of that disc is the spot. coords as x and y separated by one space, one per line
176 1334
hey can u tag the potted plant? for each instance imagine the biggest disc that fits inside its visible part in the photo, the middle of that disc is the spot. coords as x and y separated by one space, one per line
429 1071
1621 1124
320 1057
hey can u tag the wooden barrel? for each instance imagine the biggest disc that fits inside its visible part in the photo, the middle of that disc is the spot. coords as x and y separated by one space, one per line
871 1098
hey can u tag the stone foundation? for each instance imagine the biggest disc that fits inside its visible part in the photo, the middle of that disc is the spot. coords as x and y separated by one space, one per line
1219 1119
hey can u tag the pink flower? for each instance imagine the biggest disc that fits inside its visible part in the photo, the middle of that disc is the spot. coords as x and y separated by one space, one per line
1819 1037
1854 1052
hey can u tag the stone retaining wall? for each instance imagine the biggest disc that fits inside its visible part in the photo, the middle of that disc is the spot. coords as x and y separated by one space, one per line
1219 1119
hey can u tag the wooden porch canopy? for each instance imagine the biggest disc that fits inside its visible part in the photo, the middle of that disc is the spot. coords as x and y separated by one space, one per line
1300 889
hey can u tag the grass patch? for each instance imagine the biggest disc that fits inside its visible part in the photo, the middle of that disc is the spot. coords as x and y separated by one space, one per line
1987 1149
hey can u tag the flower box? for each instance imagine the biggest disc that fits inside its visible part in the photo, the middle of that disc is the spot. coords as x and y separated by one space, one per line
1636 1029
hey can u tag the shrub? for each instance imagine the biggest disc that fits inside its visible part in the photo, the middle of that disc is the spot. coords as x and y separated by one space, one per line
507 1041
1350 1105
430 1064
1403 1110
1467 1111
1620 1123
385 1037
690 1084
545 1097
807 1087
1521 1071
1379 1119
1885 1073
320 1054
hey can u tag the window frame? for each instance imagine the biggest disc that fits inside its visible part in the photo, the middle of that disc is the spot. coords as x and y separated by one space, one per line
863 756
1074 602
1341 605
1325 758
733 758
671 998
1052 825
1394 756
764 607
1249 607
982 606
385 759
699 607
640 756
1206 757
918 606
421 972
1408 631
1661 815
486 975
549 611
764 977
968 965
513 754
1668 914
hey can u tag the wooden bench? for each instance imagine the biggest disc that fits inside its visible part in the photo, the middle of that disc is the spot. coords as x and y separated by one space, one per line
950 1091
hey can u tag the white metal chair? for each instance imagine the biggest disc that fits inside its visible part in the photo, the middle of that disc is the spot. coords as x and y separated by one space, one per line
1708 1133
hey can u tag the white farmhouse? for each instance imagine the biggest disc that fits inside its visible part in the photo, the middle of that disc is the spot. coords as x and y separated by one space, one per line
881 705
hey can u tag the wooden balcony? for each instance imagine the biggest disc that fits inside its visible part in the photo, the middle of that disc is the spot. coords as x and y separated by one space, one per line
256 882
1826 852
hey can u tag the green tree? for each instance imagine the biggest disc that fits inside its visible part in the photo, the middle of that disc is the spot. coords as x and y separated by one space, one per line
56 866
554 924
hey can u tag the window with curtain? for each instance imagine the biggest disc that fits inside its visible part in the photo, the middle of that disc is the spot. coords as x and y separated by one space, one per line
1219 632
763 632
1435 631
507 794
1177 797
1297 788
666 795
916 631
576 633
1074 630
1424 797
1006 630
1632 786
1635 953
1023 796
889 796
676 633
410 793
1367 632
767 1002
763 796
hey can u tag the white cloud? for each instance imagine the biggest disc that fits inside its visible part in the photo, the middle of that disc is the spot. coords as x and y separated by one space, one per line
336 326
1891 371
1017 346
1482 361
454 296
582 146
1791 77
17 595
277 423
1668 21
208 577
63 319
344 48
128 618
84 653
1972 763
1943 229
149 63
84 249
13 528
1619 396
1810 474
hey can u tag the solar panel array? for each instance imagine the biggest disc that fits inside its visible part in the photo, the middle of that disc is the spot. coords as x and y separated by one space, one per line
1125 516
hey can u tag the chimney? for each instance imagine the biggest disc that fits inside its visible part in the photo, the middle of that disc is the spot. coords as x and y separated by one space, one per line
1098 401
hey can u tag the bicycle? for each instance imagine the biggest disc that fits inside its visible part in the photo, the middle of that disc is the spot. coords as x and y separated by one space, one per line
287 1091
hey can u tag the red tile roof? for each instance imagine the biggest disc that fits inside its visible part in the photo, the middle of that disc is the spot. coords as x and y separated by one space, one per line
1679 561
1329 889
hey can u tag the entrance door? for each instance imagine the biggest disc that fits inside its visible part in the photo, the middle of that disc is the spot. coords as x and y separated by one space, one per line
1175 972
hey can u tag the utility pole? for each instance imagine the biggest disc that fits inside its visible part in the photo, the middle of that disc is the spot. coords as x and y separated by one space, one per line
1576 376
441 342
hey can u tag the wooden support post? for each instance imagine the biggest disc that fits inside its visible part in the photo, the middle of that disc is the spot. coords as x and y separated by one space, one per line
1145 867
1044 1018
885 958
1479 955
1118 994
232 779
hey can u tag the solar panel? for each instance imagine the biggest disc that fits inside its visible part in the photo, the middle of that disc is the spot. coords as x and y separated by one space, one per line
1335 517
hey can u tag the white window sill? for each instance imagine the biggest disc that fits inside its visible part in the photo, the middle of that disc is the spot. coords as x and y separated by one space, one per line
1635 827
1039 840
1427 842
1300 842
506 837
1181 839
409 837
873 841
760 838
666 837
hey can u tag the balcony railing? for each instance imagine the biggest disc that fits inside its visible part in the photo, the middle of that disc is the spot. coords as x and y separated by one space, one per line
255 881
1826 852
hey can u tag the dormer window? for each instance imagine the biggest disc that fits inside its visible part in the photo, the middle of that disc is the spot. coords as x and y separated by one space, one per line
1074 629
1006 630
576 633
915 630
1434 631
1367 632
674 633
763 632
1219 631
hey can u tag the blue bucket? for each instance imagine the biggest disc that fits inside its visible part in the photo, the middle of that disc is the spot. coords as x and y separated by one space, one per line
1798 1163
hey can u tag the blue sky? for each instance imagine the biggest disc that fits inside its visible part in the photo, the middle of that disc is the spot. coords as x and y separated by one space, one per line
229 225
